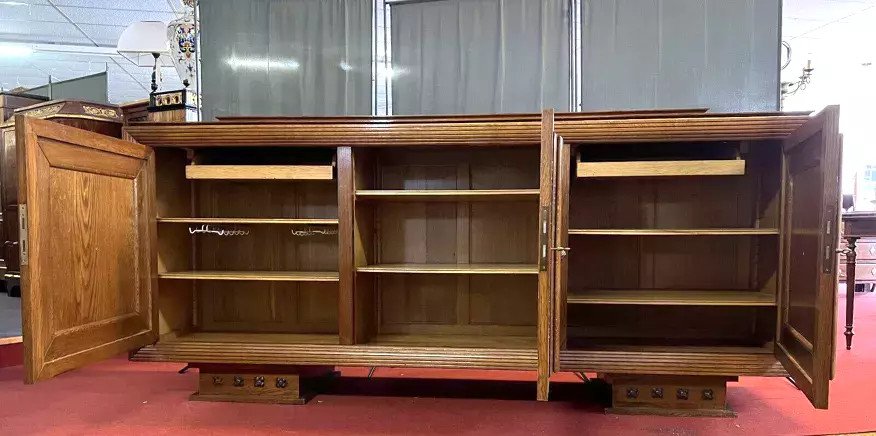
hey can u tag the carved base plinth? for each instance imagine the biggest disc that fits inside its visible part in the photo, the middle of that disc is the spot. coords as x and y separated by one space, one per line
669 395
277 384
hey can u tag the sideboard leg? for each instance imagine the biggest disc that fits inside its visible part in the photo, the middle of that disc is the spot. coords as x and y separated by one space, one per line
851 258
275 384
669 395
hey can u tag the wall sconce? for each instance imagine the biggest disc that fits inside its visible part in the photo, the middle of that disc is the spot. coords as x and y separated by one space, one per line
791 88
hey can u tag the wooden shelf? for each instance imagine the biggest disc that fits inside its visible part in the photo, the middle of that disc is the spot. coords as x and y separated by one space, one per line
475 341
297 349
289 221
255 338
675 232
274 276
662 168
672 298
259 172
604 344
684 361
456 268
449 195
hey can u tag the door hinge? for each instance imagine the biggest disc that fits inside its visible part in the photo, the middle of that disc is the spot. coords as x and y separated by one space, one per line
543 237
829 256
22 233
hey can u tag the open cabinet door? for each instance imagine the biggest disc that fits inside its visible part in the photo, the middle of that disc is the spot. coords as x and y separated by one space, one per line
87 238
561 248
546 241
809 238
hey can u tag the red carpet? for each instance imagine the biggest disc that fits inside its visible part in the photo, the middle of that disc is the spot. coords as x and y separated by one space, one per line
120 397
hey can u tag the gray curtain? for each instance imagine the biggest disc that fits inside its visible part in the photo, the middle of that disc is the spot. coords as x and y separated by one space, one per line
480 56
286 57
718 54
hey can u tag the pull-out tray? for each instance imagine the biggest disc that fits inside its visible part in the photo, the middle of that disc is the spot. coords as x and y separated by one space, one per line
260 172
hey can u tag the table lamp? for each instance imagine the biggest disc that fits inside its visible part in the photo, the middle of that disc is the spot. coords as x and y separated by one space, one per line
145 44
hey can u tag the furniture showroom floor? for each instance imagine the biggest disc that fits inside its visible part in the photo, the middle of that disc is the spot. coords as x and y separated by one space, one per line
121 397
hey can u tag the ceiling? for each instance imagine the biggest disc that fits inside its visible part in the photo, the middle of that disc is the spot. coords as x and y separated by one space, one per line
830 30
74 38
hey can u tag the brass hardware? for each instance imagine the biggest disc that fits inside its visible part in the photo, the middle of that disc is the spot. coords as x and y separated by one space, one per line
829 236
282 383
44 111
258 381
238 381
656 392
22 233
708 394
543 239
682 394
217 381
564 251
100 111
632 393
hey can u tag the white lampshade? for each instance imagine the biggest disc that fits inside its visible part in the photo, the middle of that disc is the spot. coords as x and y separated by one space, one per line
140 40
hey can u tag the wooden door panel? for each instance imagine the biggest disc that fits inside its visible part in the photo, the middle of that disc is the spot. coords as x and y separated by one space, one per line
561 256
88 273
809 239
546 241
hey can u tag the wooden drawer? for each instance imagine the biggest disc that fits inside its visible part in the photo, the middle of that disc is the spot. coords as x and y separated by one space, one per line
866 250
864 272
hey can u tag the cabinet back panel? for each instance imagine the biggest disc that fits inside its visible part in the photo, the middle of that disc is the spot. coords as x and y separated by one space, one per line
456 301
702 202
503 300
244 199
269 307
458 232
439 168
654 325
418 232
745 201
503 232
672 262
418 299
267 248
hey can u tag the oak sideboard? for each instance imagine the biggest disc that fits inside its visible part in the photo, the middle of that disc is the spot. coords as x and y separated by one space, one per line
669 252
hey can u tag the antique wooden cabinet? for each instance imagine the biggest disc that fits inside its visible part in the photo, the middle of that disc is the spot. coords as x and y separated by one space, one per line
9 102
669 252
96 117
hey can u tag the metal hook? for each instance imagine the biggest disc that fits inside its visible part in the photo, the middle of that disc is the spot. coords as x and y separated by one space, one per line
205 228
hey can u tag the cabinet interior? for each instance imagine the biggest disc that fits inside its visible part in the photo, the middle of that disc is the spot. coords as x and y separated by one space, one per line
277 271
674 260
446 246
